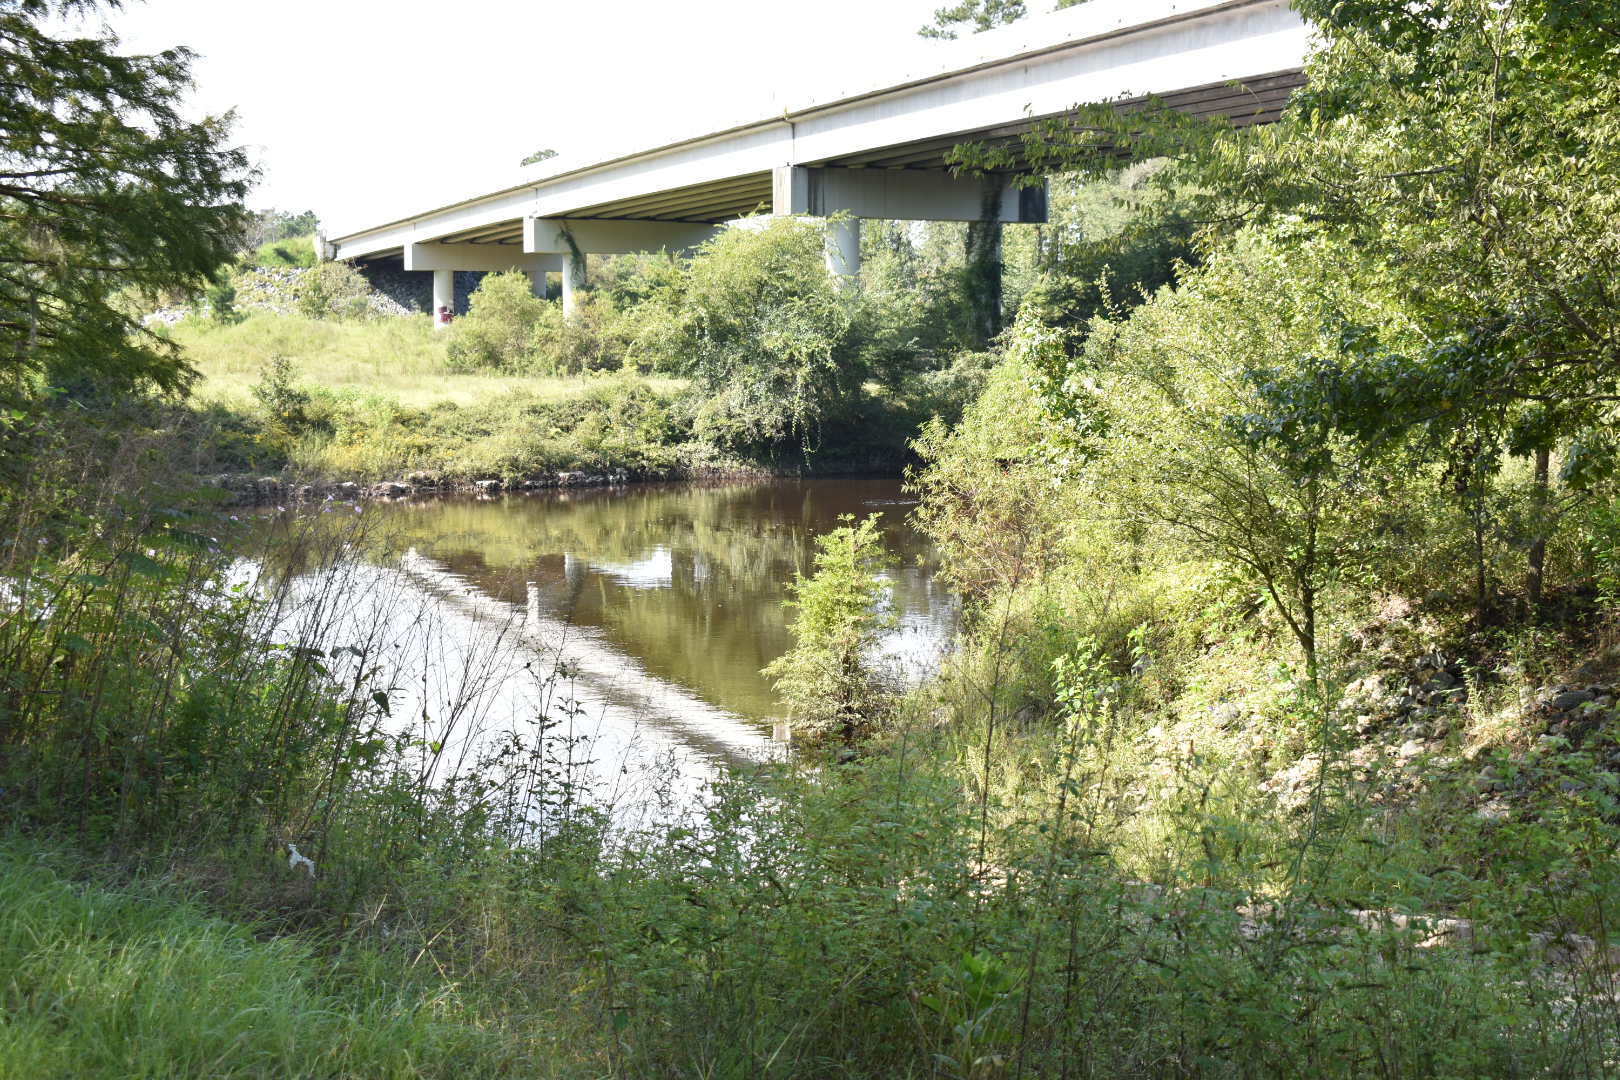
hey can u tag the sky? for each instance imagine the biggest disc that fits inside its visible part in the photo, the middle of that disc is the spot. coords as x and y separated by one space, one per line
367 110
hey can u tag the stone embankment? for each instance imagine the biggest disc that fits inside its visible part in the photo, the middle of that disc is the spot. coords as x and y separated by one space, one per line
277 290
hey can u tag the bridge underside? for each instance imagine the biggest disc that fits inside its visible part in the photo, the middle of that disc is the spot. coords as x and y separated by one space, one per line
1257 100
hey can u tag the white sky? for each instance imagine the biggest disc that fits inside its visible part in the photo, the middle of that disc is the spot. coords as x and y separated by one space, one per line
365 110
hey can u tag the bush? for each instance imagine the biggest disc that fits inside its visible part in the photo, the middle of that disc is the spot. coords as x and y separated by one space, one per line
765 332
498 331
595 338
334 290
827 680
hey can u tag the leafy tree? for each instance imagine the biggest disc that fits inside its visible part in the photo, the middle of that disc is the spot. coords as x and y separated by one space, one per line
1200 445
272 226
1471 154
1460 159
978 15
758 323
826 680
104 186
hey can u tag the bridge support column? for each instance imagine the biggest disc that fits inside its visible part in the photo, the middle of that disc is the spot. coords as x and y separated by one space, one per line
537 283
573 282
843 244
571 239
444 295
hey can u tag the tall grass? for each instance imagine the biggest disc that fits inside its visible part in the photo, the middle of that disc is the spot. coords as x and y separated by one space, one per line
132 981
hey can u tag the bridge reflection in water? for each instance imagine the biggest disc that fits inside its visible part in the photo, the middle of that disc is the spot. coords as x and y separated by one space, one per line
657 605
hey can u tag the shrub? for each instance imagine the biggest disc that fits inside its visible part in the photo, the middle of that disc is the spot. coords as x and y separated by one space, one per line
766 333
827 680
333 290
498 331
595 338
285 404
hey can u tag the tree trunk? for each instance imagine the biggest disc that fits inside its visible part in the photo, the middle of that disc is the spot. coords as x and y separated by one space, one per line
1538 549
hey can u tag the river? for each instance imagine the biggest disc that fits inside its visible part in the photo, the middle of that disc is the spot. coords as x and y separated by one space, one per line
639 615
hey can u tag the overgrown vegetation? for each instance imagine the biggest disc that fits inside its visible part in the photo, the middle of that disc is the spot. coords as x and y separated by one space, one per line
1281 738
827 681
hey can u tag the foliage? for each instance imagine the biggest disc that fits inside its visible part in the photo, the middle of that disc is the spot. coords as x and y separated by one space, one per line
596 337
826 680
106 187
287 251
981 15
285 404
498 331
990 491
764 332
1197 440
222 303
334 290
271 227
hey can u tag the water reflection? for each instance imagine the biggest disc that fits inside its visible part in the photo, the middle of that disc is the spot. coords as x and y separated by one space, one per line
690 581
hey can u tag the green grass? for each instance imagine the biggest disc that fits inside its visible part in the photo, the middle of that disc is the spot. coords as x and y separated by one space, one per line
400 359
293 251
137 981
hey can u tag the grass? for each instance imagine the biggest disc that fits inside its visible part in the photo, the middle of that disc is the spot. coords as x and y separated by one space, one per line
399 359
138 981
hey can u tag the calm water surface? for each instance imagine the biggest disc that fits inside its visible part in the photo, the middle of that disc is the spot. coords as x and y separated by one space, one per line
690 581
640 616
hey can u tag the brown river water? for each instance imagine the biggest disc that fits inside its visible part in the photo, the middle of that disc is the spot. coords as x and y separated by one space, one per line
657 604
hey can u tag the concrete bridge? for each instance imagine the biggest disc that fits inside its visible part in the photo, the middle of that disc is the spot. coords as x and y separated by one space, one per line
873 153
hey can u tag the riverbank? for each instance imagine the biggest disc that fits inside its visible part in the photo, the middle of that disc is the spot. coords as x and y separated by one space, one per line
289 407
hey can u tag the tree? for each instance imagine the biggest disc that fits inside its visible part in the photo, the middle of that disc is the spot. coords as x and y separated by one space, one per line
1461 159
765 332
104 186
270 226
1202 445
1471 153
981 15
538 156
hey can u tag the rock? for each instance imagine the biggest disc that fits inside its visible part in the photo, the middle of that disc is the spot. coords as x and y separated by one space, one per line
1365 724
1569 699
487 487
1410 749
348 489
391 489
1494 812
1442 681
1226 714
